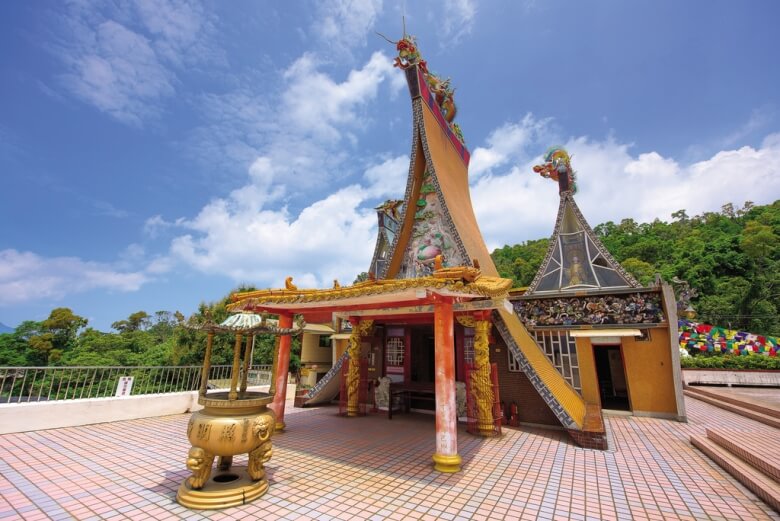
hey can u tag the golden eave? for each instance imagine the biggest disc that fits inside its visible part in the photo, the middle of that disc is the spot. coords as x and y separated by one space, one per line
466 282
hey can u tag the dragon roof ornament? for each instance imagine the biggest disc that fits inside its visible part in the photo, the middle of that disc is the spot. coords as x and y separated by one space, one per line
557 166
409 56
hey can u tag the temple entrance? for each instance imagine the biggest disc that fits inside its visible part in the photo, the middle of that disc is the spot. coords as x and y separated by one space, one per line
422 368
611 377
422 365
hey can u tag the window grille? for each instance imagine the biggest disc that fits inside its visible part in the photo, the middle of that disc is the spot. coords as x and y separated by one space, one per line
394 350
468 345
561 349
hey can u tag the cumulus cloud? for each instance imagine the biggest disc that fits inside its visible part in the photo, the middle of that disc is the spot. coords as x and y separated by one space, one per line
345 23
317 104
332 238
122 58
508 144
304 134
615 182
243 237
26 276
387 179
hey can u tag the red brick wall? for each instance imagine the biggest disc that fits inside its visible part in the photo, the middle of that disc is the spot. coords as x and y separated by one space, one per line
515 387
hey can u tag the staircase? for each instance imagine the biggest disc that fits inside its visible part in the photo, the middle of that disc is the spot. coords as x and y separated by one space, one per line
752 458
753 462
754 411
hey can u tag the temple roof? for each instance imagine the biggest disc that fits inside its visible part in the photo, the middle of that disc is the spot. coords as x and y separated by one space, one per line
456 282
576 259
437 217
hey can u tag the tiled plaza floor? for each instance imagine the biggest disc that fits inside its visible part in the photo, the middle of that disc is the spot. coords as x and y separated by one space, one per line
327 467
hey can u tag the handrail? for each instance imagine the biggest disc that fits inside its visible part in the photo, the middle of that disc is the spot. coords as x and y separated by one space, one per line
37 384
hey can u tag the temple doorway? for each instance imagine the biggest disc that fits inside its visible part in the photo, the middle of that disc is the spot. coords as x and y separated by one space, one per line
422 365
611 377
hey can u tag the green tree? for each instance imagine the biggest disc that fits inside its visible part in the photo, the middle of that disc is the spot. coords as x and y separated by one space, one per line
643 271
136 321
59 333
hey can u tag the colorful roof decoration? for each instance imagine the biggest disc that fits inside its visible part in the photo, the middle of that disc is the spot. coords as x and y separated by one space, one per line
388 218
643 307
704 338
437 92
576 259
557 166
457 280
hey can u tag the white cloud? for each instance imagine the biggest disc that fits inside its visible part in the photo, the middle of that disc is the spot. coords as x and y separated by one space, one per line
304 135
615 183
122 58
508 144
345 23
316 104
387 179
758 120
332 238
26 276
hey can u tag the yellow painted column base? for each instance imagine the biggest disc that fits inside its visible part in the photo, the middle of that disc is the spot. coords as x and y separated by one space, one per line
446 463
279 426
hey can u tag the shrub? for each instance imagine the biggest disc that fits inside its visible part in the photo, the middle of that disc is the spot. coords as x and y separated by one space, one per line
731 362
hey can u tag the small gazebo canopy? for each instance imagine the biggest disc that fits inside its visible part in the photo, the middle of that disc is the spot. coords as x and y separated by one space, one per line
243 323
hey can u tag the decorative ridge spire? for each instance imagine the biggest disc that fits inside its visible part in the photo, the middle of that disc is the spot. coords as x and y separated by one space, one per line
576 259
557 166
443 94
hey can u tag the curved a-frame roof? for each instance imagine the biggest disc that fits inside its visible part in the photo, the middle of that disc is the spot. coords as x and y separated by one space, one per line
438 216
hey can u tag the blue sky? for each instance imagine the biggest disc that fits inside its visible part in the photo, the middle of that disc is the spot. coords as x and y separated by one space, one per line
155 154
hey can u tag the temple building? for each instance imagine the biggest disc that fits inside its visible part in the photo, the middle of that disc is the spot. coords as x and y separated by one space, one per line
435 327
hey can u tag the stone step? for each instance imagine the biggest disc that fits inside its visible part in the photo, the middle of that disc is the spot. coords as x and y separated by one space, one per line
753 479
760 452
769 411
742 411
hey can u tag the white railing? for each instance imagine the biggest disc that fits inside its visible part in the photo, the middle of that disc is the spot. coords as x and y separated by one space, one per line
37 384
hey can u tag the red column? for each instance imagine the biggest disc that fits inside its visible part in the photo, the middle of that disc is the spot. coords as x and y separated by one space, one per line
282 369
446 458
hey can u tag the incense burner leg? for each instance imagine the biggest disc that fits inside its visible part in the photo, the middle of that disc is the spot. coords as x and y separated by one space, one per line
225 462
199 462
257 460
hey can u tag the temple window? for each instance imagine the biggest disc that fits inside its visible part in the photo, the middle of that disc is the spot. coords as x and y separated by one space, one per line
561 349
468 345
394 351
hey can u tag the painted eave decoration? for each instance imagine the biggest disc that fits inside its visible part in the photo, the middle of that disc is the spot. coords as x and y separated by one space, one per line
464 281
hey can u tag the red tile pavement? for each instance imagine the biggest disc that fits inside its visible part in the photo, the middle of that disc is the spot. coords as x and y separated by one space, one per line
328 467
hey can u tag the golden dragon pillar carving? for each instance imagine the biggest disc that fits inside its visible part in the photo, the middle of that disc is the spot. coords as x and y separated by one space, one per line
360 329
481 385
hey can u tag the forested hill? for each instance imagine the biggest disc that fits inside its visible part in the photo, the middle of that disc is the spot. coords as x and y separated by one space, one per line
732 258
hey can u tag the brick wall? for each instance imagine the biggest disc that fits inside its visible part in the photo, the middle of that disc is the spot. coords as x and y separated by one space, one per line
515 387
